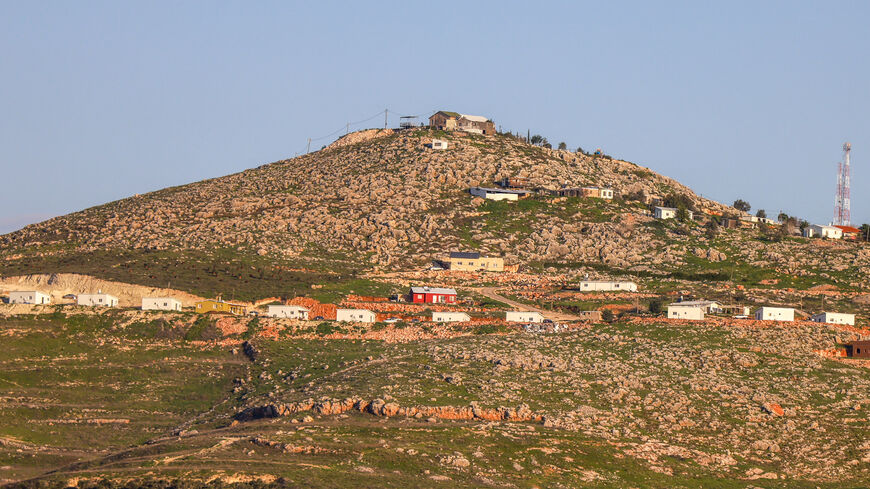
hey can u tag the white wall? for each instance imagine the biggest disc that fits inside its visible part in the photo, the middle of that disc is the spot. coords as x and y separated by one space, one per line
291 312
682 312
97 300
835 318
607 285
477 191
775 314
160 304
524 317
662 213
355 315
28 297
449 317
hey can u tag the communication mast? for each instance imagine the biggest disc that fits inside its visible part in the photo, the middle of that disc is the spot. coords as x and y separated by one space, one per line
842 204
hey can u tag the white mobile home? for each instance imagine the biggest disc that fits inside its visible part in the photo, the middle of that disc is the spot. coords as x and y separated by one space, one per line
670 213
290 312
355 315
497 193
834 318
99 299
439 144
774 314
523 317
450 317
607 285
160 304
709 307
682 310
28 297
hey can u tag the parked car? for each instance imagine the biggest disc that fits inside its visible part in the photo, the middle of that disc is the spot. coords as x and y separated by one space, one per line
391 320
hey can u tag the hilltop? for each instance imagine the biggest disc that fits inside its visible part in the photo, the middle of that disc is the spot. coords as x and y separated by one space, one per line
381 200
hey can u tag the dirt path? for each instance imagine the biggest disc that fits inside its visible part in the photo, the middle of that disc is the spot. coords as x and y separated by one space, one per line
492 293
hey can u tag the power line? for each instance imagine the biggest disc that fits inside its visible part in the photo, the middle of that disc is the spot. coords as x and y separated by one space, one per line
346 127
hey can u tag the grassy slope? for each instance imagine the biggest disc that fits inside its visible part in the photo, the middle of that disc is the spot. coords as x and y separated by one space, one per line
52 371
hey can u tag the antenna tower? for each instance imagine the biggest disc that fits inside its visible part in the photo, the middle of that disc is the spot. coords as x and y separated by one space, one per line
842 204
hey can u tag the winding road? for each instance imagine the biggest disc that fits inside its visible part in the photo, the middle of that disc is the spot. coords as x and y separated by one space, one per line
492 293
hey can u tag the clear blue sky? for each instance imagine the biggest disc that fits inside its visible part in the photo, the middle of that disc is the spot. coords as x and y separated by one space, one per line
103 100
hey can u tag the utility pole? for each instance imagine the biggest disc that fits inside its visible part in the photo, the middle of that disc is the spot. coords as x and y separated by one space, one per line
309 146
385 117
347 130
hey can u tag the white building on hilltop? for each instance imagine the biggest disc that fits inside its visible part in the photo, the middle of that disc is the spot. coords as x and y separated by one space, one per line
498 193
523 317
450 317
160 304
834 318
290 312
829 232
767 313
355 315
28 297
97 300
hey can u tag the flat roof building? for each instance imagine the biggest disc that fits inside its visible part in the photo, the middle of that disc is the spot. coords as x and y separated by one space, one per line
28 297
160 304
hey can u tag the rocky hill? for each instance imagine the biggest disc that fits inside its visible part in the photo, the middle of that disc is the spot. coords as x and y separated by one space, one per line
382 199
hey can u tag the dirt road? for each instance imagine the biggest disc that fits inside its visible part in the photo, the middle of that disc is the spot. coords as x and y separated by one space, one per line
493 294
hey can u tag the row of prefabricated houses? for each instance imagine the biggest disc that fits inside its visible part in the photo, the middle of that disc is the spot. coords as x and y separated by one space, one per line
421 295
695 310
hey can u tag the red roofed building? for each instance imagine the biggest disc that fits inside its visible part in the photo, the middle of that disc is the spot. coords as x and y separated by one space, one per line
850 233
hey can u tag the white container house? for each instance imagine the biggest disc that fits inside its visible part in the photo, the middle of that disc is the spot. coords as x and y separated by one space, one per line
289 312
774 314
355 315
97 300
450 317
28 297
682 310
160 304
523 317
834 318
607 285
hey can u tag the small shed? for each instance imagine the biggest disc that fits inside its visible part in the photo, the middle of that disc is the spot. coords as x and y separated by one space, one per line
498 193
438 144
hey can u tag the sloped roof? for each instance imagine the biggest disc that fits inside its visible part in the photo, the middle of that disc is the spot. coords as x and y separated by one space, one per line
848 229
432 290
449 113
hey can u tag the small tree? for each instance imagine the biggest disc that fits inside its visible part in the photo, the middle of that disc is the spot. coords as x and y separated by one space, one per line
782 217
562 145
712 229
656 306
742 205
607 315
682 213
761 213
537 139
580 150
865 231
